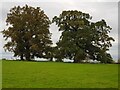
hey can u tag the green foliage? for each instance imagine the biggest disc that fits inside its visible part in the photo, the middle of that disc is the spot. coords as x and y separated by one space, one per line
22 74
82 38
28 32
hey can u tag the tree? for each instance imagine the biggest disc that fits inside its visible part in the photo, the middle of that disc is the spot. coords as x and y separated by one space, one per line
103 41
82 38
28 31
58 54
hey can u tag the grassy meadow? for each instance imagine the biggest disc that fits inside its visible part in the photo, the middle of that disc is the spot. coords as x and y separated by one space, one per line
23 74
0 74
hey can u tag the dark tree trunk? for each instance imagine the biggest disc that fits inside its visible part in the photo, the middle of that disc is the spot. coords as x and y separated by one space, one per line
51 59
77 61
21 57
28 56
59 60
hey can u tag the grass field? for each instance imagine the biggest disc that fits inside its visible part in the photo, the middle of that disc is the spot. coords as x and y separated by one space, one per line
0 74
19 74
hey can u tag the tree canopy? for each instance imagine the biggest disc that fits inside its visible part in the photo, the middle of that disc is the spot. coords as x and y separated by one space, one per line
28 31
28 35
81 38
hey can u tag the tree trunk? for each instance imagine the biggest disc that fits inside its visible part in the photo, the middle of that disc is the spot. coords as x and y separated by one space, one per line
28 56
27 52
59 60
21 57
51 59
77 61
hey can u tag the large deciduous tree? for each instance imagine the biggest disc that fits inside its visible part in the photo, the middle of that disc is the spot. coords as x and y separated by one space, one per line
28 30
82 38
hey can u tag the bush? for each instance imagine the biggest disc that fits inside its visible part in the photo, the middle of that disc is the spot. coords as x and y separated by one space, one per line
4 59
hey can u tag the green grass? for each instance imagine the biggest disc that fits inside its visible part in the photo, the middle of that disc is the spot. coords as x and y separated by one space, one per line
0 74
19 74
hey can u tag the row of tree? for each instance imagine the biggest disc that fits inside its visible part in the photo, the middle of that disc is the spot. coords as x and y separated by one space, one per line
28 31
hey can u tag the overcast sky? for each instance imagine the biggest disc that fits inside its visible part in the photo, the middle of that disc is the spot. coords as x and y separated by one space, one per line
98 9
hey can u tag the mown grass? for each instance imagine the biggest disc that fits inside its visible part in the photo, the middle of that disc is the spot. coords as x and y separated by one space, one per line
0 74
19 74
